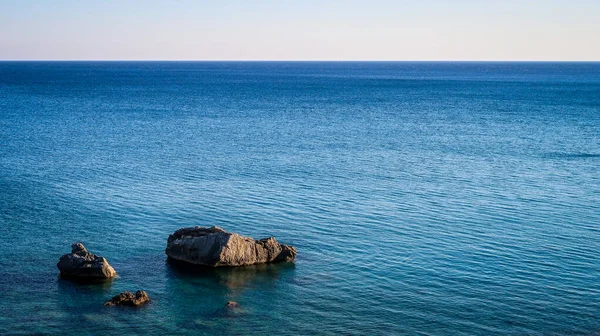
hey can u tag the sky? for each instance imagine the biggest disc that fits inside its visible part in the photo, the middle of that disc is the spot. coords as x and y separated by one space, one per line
529 30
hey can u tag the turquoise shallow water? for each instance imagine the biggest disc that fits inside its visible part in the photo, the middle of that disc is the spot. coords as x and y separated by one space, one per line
423 198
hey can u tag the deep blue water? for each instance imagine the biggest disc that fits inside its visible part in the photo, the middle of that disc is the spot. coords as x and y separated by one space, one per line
423 198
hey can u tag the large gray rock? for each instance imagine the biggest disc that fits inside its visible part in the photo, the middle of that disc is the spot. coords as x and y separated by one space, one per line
216 247
82 265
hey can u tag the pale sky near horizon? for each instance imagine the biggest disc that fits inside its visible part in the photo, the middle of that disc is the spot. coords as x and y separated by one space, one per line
300 30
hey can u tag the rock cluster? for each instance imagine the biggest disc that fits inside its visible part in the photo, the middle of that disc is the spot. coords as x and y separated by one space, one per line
128 299
203 246
82 265
216 247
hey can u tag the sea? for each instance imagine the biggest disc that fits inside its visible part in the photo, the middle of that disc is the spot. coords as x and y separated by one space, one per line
424 198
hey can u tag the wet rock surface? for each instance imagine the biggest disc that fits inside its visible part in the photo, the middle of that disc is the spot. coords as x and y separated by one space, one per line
129 299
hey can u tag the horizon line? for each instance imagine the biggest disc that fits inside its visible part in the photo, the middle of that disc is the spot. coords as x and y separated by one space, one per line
300 60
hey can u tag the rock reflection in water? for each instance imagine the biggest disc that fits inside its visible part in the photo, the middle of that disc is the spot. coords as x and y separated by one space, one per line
232 278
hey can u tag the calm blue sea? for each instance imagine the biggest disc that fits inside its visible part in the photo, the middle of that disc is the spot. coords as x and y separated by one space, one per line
423 198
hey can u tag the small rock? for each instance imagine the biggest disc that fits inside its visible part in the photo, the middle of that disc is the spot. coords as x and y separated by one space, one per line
128 299
232 305
231 309
82 265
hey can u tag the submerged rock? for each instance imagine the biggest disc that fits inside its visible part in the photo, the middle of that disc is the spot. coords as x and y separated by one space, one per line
216 247
232 305
82 265
231 309
128 299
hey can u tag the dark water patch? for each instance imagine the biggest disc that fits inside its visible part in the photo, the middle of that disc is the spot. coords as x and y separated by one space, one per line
571 156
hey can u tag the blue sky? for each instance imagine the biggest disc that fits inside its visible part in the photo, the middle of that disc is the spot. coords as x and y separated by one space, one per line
300 30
